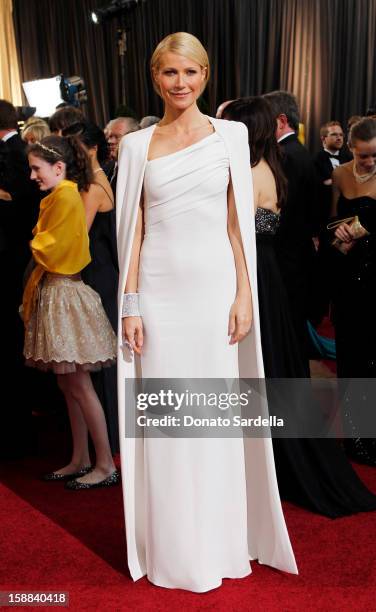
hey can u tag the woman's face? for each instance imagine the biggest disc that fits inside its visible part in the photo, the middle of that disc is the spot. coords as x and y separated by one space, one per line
180 80
46 175
364 155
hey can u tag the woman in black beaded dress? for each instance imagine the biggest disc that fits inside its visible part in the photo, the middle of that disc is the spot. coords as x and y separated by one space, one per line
102 273
354 271
313 473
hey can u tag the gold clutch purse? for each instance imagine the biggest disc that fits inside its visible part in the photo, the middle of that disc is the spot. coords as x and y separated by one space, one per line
357 228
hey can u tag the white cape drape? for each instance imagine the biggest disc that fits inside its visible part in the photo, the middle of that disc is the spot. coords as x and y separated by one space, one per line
268 539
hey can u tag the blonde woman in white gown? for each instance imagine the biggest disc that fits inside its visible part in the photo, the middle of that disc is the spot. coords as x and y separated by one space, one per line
196 510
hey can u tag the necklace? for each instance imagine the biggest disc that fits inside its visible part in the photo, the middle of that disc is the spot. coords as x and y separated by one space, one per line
98 170
363 178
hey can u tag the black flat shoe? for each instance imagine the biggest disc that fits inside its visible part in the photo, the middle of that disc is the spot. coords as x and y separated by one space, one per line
110 481
56 476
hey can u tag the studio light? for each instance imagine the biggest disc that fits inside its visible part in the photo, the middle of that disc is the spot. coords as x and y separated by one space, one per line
47 94
44 95
114 8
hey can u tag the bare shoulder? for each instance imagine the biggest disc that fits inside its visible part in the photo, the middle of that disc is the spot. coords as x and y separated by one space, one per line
263 176
342 172
344 169
93 193
262 170
94 189
264 185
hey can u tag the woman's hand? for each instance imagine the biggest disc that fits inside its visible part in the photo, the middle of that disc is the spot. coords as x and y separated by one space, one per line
343 233
133 333
240 319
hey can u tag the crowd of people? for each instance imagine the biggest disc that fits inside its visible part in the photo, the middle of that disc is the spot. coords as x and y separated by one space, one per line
205 245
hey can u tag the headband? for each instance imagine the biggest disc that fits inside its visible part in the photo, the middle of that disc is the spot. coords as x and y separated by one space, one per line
48 149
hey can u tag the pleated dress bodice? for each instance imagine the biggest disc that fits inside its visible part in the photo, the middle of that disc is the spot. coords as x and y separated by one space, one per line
187 275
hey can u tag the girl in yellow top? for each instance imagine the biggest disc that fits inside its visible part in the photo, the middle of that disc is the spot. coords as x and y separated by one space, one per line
66 328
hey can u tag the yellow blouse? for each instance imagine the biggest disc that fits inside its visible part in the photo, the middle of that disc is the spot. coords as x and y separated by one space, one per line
61 242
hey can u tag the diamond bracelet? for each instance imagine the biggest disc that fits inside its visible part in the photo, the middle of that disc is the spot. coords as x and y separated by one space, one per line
130 307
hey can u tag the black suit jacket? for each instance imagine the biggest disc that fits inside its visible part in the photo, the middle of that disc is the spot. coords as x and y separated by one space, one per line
294 245
18 216
299 215
324 169
323 164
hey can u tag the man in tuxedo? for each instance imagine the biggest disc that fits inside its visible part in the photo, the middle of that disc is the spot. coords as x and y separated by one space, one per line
19 203
331 155
295 240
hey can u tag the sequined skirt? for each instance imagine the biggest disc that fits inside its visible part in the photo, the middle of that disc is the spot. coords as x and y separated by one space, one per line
68 329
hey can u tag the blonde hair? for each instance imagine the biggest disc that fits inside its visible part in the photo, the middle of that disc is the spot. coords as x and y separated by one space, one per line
36 127
184 44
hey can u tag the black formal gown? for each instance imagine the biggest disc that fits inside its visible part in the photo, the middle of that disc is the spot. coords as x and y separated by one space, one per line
313 473
354 295
354 308
102 275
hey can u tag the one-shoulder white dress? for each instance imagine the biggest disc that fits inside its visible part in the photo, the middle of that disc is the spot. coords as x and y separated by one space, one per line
187 277
195 489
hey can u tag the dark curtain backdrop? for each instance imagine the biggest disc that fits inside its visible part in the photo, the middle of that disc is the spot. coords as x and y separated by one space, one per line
324 51
56 36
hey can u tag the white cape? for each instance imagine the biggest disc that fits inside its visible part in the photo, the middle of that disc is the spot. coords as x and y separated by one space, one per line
268 539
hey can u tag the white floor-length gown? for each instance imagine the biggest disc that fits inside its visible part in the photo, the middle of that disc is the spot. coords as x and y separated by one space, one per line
189 523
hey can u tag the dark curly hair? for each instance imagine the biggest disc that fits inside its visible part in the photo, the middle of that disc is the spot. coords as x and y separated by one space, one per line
69 150
256 114
90 135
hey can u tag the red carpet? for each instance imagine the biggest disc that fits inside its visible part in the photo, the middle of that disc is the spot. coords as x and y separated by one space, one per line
54 539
